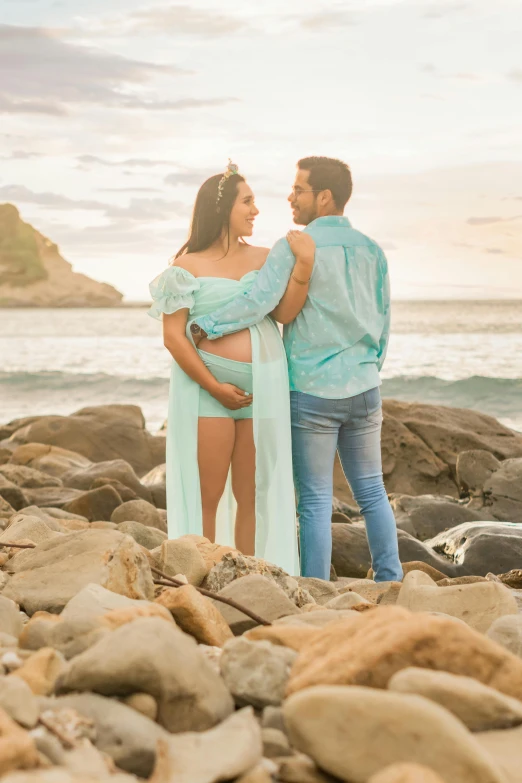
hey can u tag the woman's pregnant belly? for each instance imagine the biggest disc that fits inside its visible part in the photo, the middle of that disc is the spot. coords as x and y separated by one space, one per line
237 346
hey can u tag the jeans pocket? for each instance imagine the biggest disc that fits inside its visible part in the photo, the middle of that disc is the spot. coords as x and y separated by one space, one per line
314 413
373 403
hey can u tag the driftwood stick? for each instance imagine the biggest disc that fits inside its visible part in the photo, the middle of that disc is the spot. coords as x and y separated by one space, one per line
19 546
169 581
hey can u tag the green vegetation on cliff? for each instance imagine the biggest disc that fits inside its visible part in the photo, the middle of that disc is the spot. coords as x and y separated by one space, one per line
20 260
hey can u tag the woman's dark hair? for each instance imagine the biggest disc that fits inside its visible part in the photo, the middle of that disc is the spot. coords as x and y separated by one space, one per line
329 174
210 217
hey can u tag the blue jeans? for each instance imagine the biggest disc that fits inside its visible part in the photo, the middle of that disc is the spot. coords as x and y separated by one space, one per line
352 426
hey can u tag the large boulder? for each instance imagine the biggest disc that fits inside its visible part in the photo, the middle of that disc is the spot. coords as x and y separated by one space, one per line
101 433
478 604
47 577
138 511
52 460
421 444
355 732
427 515
96 504
259 594
156 483
370 647
479 548
351 553
161 660
118 469
12 493
503 492
473 470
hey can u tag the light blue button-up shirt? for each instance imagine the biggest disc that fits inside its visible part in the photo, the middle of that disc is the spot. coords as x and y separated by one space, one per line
337 344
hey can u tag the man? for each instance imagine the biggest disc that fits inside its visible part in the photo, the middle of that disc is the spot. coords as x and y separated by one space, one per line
335 347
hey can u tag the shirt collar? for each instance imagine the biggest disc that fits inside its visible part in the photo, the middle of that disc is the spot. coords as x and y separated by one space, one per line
331 220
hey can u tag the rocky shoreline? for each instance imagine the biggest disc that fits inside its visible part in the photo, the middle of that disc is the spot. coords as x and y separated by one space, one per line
126 656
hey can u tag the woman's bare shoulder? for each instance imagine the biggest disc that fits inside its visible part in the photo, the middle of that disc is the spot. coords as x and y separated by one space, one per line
188 262
257 256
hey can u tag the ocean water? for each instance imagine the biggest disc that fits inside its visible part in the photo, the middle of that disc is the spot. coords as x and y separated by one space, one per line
466 354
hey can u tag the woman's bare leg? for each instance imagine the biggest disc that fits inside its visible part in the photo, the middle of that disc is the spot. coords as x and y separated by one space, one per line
215 446
244 486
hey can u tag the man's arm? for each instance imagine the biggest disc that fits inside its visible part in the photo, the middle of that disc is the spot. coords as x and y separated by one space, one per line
250 307
385 304
303 247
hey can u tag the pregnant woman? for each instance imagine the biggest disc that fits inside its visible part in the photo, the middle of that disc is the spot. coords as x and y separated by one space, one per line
229 469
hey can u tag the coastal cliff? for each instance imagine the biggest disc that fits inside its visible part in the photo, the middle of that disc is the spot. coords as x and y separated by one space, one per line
34 274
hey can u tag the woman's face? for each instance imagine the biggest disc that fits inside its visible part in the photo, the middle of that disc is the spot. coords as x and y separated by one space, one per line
243 212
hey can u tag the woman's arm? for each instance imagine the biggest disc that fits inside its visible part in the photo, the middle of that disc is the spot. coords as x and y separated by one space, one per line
303 247
183 351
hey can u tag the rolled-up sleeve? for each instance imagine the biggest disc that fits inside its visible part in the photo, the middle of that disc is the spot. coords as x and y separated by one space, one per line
253 304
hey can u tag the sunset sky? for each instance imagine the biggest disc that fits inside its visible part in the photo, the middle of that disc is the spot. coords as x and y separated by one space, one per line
112 114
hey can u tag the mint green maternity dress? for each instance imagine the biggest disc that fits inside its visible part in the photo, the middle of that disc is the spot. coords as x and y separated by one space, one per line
276 536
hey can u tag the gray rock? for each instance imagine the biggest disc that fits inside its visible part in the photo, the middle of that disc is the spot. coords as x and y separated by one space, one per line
507 631
156 482
273 718
149 537
10 617
478 548
138 511
129 738
29 477
160 660
260 595
12 493
96 504
59 513
17 699
47 577
224 753
351 554
320 590
236 566
57 497
275 744
119 469
503 491
474 468
256 673
425 516
6 511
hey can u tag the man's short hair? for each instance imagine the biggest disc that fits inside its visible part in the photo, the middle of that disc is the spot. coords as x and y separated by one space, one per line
329 174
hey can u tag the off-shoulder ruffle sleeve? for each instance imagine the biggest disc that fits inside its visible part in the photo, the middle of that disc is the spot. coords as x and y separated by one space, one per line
172 290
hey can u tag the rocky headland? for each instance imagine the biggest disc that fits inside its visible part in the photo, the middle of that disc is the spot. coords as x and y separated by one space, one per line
126 656
34 274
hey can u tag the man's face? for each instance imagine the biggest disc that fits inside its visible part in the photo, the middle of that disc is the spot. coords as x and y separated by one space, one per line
303 199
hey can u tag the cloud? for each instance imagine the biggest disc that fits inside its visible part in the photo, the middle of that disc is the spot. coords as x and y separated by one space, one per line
42 74
188 177
138 209
486 221
495 250
186 20
21 155
515 75
328 19
13 106
440 9
86 160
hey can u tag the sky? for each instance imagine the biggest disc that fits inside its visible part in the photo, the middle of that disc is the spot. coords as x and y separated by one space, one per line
113 113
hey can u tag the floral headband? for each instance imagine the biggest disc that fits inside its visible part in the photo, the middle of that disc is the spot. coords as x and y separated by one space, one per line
230 170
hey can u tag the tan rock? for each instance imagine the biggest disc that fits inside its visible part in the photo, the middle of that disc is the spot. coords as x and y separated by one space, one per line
212 553
257 775
406 773
181 556
95 504
143 703
320 590
368 589
196 615
296 637
300 768
355 732
479 707
460 580
118 617
256 673
369 648
41 671
17 748
507 631
346 601
222 753
505 748
47 577
479 605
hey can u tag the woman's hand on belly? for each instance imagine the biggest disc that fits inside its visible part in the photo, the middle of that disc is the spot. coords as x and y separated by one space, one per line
237 346
231 397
